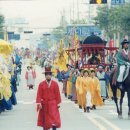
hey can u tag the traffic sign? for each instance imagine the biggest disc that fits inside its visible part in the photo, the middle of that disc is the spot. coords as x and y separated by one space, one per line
83 30
117 2
28 31
98 1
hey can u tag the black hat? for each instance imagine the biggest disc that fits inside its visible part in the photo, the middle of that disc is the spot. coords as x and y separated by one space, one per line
28 66
101 66
68 65
92 71
124 42
80 70
85 71
48 71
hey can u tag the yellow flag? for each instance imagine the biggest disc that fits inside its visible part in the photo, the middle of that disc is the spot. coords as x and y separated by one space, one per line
76 44
5 36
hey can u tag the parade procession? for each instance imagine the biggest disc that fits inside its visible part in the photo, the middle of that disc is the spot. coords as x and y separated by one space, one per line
64 65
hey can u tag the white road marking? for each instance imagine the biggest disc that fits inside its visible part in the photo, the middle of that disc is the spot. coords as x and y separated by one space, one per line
95 122
107 106
20 101
114 127
91 117
66 101
26 102
34 101
113 112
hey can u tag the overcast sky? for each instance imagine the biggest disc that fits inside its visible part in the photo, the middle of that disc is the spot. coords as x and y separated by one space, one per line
45 13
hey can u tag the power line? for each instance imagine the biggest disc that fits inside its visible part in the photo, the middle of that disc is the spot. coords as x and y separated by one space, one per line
19 0
27 27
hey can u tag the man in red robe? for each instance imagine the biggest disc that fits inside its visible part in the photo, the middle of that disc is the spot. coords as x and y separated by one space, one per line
48 100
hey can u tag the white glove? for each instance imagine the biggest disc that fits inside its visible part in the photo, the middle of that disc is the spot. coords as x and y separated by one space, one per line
39 106
127 63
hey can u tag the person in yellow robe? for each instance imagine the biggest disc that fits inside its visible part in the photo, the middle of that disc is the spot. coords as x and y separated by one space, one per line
69 86
96 98
68 76
79 89
6 87
87 91
1 86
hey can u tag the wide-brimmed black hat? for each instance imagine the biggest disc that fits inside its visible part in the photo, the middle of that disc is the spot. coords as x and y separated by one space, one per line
28 66
101 66
124 42
68 65
47 70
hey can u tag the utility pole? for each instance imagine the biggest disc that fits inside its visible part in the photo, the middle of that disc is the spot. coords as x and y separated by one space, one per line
70 15
88 12
6 34
89 15
73 10
78 11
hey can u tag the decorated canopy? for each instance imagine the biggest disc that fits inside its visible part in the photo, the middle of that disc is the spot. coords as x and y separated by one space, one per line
92 51
93 39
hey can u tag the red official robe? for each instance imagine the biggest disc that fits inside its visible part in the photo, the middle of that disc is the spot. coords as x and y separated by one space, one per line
49 97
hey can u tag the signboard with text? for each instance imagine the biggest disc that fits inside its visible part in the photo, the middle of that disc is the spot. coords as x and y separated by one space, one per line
117 2
83 30
13 36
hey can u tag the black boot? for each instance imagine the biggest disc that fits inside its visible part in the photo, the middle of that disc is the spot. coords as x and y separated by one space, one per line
65 94
69 97
120 85
76 102
54 128
112 98
88 109
103 100
80 107
85 109
31 86
94 107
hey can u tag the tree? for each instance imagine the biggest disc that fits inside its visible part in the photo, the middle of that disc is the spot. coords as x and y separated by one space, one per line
102 19
114 20
60 31
81 21
125 19
1 25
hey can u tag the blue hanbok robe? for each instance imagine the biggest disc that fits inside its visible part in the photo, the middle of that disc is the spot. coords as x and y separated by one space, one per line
59 76
13 88
6 104
103 84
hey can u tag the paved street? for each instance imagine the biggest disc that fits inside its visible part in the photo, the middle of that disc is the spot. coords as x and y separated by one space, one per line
24 116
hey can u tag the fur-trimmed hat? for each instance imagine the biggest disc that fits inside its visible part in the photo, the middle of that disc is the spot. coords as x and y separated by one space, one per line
124 42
